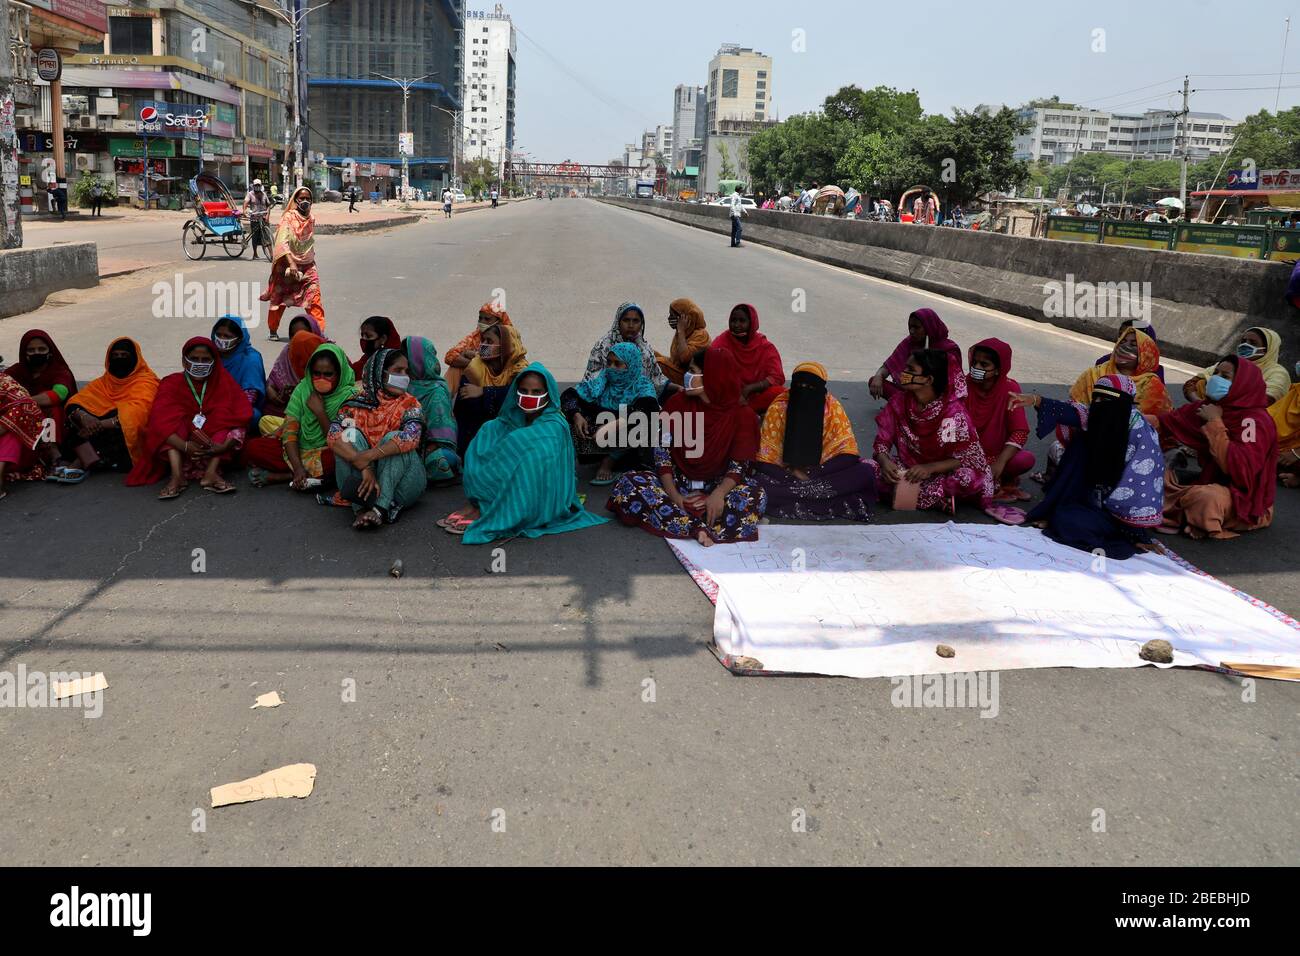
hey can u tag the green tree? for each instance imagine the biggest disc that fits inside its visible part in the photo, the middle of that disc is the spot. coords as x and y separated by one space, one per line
882 109
1272 140
726 170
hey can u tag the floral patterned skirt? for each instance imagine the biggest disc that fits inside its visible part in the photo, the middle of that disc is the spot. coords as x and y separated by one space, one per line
638 498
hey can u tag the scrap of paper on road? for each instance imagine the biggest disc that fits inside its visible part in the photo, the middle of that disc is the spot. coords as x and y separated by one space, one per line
267 700
80 685
875 602
294 780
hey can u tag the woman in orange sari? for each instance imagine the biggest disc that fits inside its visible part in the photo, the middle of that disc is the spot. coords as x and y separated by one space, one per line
686 319
1136 355
293 265
108 418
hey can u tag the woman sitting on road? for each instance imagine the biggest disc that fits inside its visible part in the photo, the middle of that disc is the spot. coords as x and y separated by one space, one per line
196 425
927 447
463 352
808 458
244 362
377 332
376 440
686 319
620 388
1142 326
1235 440
1108 491
48 380
1135 356
108 419
442 463
24 455
758 363
1285 413
705 492
925 330
1262 347
519 477
485 383
1003 429
298 452
629 326
290 365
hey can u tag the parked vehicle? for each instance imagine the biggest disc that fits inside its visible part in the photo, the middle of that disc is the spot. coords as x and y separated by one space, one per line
746 201
216 221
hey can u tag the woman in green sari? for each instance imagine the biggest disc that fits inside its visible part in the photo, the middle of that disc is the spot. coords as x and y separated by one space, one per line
427 384
519 470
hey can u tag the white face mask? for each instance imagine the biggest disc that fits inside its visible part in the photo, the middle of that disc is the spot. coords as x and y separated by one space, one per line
979 374
399 382
226 344
198 369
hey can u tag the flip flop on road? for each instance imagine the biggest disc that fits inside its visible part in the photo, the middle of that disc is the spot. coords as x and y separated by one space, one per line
219 487
1005 514
66 475
169 492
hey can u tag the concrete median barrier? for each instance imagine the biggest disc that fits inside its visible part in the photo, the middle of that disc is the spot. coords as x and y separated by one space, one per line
27 276
1199 304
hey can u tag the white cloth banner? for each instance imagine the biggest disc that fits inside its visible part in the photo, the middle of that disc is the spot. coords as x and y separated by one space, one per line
874 601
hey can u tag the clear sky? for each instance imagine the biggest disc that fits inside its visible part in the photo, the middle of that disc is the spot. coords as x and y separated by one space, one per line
592 76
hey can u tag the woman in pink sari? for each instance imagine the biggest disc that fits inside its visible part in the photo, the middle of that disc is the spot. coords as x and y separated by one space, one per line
925 330
293 265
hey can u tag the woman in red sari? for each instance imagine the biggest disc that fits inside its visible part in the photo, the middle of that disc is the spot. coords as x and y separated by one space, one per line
925 330
377 333
1235 440
293 265
22 424
762 378
197 423
41 370
1003 430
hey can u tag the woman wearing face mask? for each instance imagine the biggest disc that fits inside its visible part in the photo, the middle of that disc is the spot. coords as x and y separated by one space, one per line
629 326
686 319
925 437
197 423
442 463
1003 430
1136 357
42 371
243 361
702 485
24 456
298 453
1235 441
519 471
376 440
377 332
1109 490
1285 413
485 385
925 330
808 456
108 418
289 366
463 352
621 388
1260 346
293 265
762 377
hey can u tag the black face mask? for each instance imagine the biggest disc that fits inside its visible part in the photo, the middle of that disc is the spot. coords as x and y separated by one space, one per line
120 366
304 207
40 360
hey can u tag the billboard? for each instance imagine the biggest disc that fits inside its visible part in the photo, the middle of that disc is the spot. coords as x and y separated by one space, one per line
158 118
88 13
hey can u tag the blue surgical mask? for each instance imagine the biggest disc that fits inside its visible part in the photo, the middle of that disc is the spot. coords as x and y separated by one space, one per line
1216 388
1297 369
1247 351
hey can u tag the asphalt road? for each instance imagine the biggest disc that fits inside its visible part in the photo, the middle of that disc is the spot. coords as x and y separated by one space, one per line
518 696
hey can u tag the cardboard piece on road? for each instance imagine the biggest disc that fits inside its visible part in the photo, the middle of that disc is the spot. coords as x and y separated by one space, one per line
295 780
1271 671
267 700
82 685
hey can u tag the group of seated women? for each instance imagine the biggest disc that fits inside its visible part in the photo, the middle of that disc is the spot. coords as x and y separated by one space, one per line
726 440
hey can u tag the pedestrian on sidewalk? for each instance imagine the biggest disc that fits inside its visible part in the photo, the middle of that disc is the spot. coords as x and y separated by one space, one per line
353 195
97 199
446 201
256 207
737 210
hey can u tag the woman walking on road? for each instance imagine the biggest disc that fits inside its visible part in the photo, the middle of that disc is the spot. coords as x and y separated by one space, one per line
293 265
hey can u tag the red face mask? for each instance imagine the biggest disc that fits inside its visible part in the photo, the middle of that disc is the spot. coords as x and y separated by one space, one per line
322 385
532 403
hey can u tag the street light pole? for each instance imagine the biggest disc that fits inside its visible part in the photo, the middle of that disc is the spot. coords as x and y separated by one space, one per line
405 84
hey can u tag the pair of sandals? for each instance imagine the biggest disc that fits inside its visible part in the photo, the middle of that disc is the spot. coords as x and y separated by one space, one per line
455 523
66 475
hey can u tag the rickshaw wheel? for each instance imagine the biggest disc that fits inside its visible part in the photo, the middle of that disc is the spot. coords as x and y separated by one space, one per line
192 243
237 242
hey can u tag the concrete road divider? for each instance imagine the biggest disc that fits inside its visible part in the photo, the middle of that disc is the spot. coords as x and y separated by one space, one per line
27 276
1198 304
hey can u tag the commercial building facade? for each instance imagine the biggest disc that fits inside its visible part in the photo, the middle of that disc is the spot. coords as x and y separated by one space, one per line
1059 133
690 112
354 113
740 86
488 80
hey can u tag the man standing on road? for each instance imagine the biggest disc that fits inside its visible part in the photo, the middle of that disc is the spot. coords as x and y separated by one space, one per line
97 198
737 210
353 195
446 201
493 194
256 206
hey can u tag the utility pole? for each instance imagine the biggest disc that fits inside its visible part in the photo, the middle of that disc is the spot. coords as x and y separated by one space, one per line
11 212
1182 175
405 85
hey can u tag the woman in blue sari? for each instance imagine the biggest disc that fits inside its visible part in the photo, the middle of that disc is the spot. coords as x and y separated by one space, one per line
620 389
242 360
427 384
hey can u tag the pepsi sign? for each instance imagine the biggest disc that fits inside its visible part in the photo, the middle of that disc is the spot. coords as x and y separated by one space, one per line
158 118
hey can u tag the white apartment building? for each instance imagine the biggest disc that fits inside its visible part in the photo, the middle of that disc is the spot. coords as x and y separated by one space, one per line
1059 133
740 85
688 102
664 143
488 116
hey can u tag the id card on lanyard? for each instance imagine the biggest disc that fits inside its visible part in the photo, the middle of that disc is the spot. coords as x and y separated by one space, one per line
199 419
